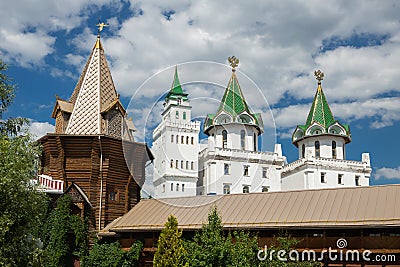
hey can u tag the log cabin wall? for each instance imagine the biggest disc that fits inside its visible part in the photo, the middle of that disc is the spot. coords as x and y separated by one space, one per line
77 159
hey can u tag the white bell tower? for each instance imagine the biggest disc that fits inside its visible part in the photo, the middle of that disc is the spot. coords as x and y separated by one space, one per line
176 146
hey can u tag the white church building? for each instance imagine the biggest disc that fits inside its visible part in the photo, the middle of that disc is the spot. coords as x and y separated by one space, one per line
231 163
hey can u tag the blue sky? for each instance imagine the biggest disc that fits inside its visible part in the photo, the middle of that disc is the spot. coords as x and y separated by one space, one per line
279 44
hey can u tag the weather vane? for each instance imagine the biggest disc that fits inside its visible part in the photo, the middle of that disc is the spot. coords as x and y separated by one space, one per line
319 75
234 62
100 27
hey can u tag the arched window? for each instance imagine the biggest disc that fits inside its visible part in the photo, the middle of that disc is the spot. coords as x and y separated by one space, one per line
172 186
177 139
242 139
187 140
172 138
182 139
176 164
303 151
254 141
227 189
172 163
177 187
177 114
192 140
184 115
333 149
192 165
224 138
181 164
187 165
246 189
317 149
183 187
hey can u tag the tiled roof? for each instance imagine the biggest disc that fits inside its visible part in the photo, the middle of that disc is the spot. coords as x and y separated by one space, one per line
330 208
62 105
94 92
320 114
320 111
176 89
234 104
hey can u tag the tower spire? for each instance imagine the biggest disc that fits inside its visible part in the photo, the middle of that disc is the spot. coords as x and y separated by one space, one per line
176 90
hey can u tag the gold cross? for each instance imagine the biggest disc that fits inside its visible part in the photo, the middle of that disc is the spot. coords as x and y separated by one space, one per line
100 26
319 75
233 61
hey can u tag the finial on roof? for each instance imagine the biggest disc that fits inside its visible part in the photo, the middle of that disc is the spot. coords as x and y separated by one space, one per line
100 27
319 75
234 62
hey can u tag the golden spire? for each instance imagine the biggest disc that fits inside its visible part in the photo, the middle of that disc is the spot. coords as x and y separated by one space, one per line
234 62
319 75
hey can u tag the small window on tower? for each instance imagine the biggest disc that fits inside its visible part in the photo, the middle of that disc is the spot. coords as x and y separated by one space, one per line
246 170
192 140
172 163
113 195
333 149
323 178
357 180
177 187
177 139
264 172
227 170
227 189
181 164
187 165
172 138
177 114
224 139
246 189
183 187
303 151
176 164
184 115
182 139
172 186
317 149
163 188
340 178
243 139
187 140
192 165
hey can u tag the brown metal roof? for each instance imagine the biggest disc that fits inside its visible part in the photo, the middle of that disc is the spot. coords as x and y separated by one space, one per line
373 206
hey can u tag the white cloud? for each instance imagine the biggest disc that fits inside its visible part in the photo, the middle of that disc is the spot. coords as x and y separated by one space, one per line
387 173
28 27
39 129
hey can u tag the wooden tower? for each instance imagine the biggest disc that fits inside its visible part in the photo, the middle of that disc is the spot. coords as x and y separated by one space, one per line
92 140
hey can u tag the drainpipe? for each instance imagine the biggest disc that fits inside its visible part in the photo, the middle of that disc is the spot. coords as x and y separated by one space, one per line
101 183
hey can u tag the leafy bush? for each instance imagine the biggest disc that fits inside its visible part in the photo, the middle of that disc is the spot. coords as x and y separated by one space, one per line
111 255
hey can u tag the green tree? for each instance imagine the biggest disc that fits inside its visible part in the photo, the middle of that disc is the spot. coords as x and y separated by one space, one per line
242 249
22 207
286 243
208 247
111 255
64 234
170 250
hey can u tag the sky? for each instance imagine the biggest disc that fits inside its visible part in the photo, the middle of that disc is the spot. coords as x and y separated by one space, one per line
279 44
